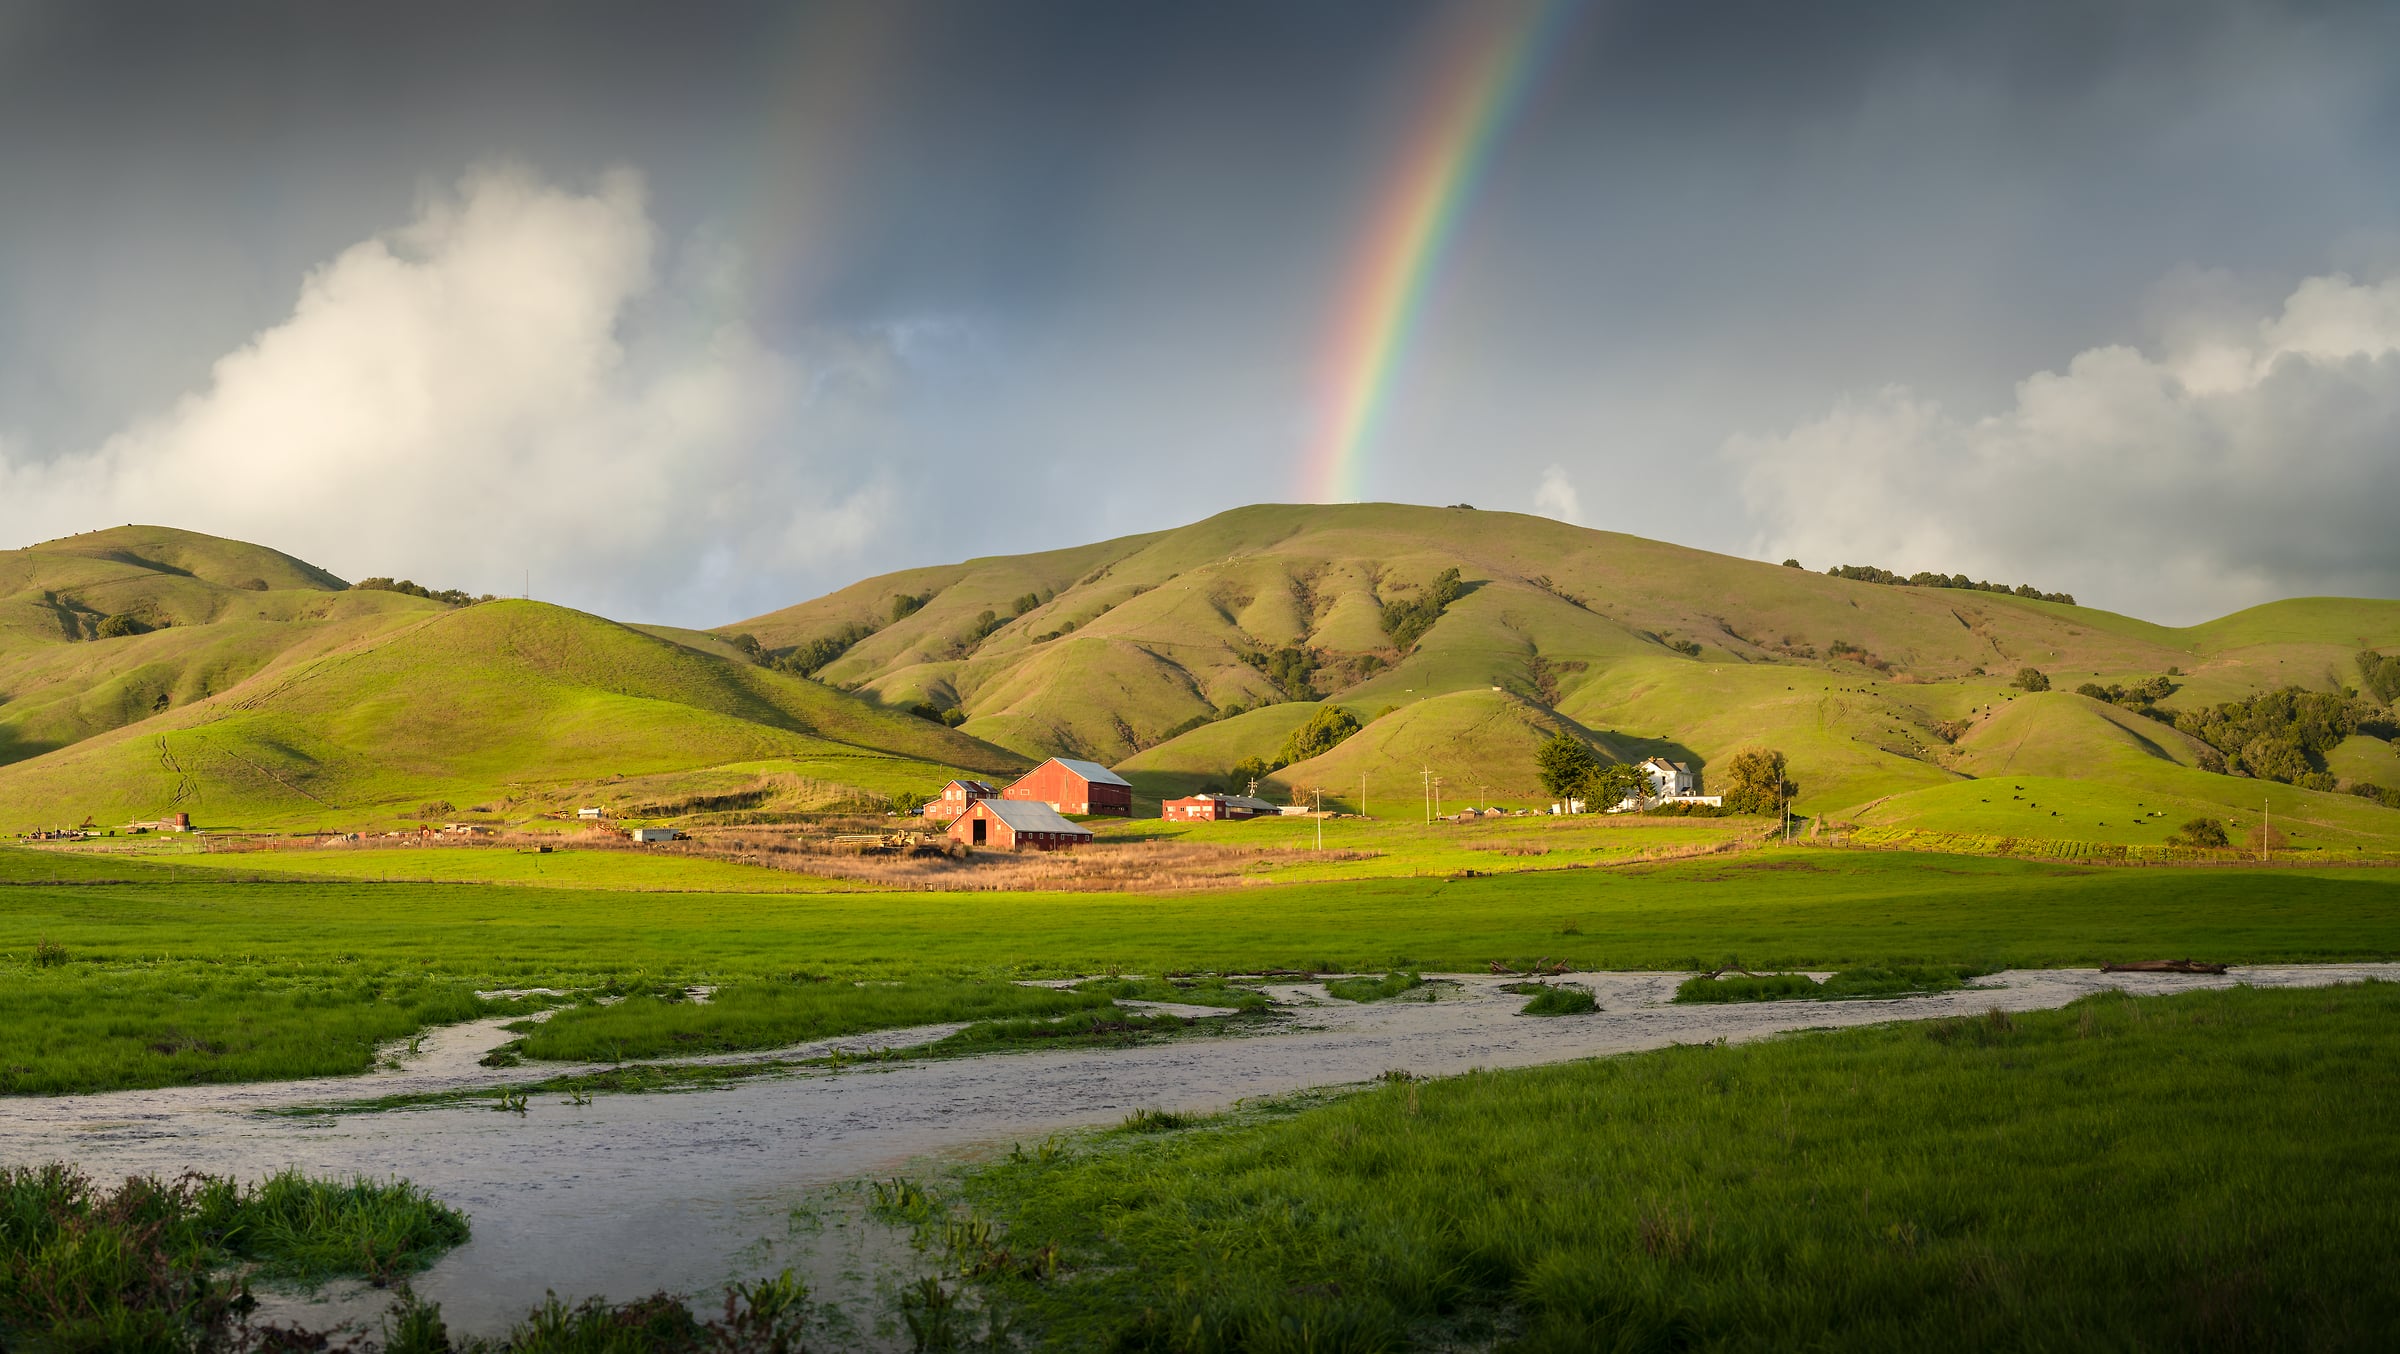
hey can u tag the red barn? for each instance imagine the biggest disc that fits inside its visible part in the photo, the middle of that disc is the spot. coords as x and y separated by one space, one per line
955 797
1213 808
1016 825
1072 786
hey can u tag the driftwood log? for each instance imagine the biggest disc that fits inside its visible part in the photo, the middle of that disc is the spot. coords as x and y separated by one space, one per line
1716 973
2164 966
1544 967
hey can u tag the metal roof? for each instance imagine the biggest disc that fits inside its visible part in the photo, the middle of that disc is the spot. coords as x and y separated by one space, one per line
1026 815
1093 772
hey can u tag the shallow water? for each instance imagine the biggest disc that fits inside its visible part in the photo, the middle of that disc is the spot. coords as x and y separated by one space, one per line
685 1191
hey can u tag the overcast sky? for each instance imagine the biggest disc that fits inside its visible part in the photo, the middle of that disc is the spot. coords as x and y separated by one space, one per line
697 310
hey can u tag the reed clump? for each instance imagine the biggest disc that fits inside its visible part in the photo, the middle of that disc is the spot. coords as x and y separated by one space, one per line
154 1264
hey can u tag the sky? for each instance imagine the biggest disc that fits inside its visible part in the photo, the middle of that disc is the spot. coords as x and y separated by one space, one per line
684 313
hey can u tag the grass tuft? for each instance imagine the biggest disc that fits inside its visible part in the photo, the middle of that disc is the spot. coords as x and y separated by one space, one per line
1373 989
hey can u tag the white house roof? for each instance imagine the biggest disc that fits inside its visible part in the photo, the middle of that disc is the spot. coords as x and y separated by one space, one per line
1093 772
1025 815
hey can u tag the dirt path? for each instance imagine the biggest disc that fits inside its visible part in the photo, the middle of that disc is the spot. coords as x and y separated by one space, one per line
684 1191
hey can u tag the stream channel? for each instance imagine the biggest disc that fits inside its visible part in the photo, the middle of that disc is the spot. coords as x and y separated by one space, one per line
686 1191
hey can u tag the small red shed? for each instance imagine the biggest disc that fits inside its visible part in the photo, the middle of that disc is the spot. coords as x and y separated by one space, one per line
1213 808
955 797
1015 825
1072 786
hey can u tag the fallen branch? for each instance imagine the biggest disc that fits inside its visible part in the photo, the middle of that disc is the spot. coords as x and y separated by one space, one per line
2164 966
1716 973
1543 967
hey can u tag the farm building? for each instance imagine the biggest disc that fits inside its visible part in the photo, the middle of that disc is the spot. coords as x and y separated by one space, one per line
655 834
1071 786
1214 808
1016 825
955 797
1668 780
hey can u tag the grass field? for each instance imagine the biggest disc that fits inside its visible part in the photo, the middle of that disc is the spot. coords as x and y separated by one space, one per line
2210 1170
189 975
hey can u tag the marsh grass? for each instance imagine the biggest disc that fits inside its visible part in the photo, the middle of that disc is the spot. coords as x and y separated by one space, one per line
1849 983
2209 1170
1558 1001
81 1027
167 1265
1373 989
761 1014
1204 991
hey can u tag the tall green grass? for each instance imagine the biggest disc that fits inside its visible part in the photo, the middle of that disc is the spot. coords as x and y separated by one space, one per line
80 1027
1373 989
2210 1170
1858 982
154 1265
755 1015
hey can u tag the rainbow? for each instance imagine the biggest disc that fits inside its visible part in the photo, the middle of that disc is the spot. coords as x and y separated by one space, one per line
1477 92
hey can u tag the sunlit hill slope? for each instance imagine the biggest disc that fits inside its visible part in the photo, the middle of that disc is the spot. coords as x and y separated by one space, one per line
1132 651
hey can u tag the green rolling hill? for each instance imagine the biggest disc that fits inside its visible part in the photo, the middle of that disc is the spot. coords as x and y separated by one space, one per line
144 670
1884 697
304 704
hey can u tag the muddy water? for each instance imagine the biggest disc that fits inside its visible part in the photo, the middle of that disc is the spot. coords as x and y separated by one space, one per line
685 1191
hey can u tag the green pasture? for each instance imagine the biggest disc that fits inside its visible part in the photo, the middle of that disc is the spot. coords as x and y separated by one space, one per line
564 868
174 974
2210 1170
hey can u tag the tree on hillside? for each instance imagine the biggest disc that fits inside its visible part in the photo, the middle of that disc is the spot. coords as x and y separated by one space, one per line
1613 784
1755 782
1407 622
2030 679
2381 675
1566 764
2207 832
1321 734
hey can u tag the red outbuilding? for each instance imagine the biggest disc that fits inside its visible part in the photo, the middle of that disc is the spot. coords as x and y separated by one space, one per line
955 797
1016 825
1072 786
1213 808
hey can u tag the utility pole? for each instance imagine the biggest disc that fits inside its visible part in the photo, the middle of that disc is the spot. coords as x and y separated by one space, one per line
1437 796
2266 823
1319 794
1362 794
1425 776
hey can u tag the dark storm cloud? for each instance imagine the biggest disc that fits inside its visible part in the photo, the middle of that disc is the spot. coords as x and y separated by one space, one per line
932 264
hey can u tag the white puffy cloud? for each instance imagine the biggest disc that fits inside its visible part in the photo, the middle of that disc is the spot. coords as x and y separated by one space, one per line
2237 464
505 384
1556 497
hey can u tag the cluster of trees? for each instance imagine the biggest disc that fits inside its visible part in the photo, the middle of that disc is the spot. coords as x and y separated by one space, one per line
1754 780
121 625
2202 832
1292 669
2030 679
446 596
2380 675
2282 735
1324 731
2142 698
1406 622
808 657
1868 573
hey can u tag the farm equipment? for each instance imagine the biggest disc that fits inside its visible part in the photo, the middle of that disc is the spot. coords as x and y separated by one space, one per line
899 844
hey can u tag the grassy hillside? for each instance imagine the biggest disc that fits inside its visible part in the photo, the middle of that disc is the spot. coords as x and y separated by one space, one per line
1874 691
507 702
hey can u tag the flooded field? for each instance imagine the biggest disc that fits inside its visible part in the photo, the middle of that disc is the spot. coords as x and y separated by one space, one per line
684 1191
